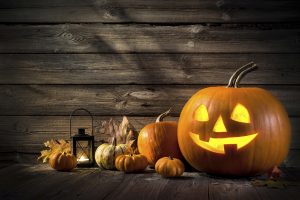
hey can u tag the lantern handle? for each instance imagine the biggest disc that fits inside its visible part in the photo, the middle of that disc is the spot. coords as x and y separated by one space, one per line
83 109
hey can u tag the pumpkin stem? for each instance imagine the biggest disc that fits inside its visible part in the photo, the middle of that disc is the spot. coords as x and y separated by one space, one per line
237 72
163 115
242 74
114 141
170 157
129 151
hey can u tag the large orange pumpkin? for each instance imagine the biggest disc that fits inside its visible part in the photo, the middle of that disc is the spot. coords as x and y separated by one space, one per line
234 131
159 139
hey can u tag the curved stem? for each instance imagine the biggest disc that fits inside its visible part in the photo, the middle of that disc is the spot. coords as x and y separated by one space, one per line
170 157
114 141
236 73
163 115
242 74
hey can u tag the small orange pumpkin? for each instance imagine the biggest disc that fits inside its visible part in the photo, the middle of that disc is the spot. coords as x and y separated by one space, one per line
169 167
131 163
159 139
63 161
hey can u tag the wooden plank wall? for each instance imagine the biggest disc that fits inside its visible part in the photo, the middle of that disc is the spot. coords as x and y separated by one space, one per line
135 58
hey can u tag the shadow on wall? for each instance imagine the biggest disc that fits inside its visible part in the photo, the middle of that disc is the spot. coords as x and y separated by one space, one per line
140 69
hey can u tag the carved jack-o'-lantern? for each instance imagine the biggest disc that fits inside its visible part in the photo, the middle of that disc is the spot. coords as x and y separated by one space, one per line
234 131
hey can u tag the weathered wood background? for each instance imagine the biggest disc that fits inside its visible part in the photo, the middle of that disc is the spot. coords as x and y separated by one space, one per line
21 181
135 58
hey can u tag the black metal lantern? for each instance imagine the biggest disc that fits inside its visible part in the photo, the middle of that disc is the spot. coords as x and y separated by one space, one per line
83 144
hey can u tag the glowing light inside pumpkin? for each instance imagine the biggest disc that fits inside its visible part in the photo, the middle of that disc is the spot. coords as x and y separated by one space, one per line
240 114
201 114
219 125
83 159
217 144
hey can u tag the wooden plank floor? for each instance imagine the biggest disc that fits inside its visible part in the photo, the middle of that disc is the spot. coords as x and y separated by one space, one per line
41 182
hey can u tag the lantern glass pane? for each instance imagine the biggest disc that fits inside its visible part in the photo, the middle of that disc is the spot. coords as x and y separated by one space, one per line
83 151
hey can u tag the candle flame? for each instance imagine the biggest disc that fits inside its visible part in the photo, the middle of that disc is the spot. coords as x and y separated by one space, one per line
83 158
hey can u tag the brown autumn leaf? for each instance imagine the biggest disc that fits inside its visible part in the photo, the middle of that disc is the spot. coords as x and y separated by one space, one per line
111 127
124 132
270 183
124 129
127 134
54 146
131 141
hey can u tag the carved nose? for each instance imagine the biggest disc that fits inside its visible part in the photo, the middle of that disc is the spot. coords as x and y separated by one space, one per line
219 125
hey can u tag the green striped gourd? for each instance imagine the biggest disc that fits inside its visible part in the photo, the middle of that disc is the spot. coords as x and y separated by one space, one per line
106 154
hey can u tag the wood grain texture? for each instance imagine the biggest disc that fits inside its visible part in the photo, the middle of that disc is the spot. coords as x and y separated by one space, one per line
106 38
293 158
197 185
45 181
93 183
145 68
155 11
135 58
37 129
291 175
103 100
232 189
26 134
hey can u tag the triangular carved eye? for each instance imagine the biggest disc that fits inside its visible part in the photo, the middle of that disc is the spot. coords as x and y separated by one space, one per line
201 114
219 125
240 114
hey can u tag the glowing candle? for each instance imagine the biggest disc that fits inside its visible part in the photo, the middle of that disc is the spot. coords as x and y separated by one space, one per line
83 159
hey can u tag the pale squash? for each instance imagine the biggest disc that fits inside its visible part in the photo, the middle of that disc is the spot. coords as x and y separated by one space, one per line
106 154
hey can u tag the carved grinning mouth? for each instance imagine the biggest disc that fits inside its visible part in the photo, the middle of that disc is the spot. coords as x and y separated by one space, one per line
216 145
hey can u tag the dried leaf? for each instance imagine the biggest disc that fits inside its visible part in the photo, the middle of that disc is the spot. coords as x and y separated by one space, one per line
277 184
124 131
274 173
131 140
131 136
132 144
131 150
44 155
54 147
111 127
